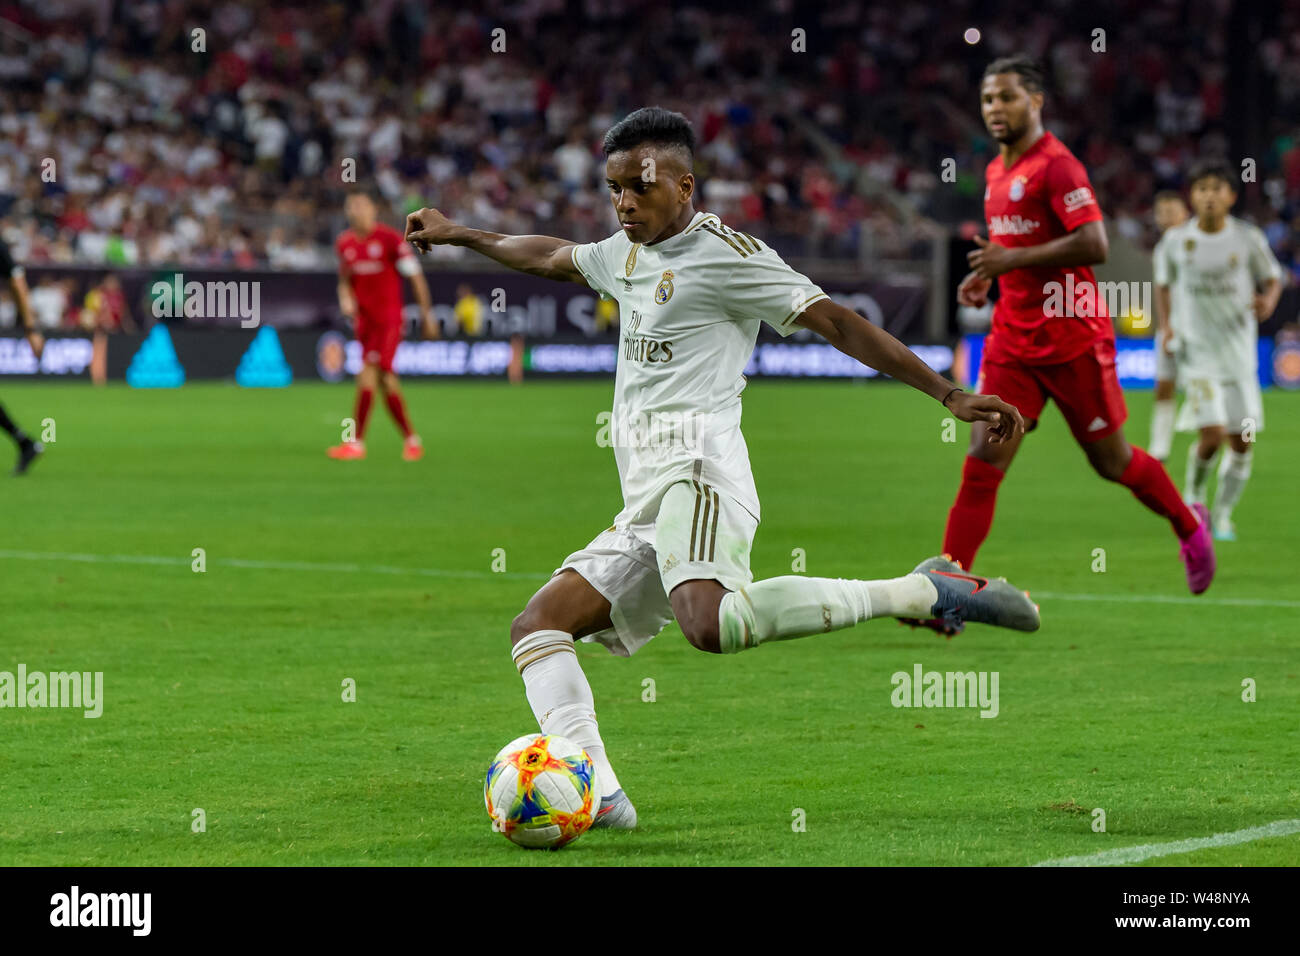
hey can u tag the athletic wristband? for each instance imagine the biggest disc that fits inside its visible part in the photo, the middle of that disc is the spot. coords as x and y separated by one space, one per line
949 395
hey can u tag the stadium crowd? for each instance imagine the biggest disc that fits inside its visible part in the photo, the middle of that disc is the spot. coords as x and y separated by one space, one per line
128 138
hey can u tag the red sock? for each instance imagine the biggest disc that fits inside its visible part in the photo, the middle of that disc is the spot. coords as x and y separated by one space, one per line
397 409
1150 484
972 513
365 396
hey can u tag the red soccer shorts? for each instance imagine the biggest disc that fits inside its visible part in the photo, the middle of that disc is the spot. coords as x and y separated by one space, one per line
1086 389
379 341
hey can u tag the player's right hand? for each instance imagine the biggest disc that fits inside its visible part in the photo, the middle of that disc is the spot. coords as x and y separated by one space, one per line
426 228
37 342
974 291
1167 340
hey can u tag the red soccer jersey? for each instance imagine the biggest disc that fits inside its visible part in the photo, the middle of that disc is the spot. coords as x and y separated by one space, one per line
370 264
1043 196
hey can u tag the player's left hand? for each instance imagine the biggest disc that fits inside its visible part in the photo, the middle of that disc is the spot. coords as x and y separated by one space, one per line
1004 421
37 342
429 328
990 260
1263 306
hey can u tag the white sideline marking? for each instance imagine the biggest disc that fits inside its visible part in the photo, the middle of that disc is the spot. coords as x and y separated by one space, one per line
345 568
1136 854
1165 599
263 565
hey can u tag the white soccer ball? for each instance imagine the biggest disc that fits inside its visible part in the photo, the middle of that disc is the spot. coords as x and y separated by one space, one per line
540 791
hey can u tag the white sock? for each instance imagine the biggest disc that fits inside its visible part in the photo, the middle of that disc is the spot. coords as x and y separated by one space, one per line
1198 476
1234 469
795 606
1162 429
561 698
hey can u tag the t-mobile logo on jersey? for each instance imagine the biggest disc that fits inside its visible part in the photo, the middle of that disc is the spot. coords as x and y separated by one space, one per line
1012 226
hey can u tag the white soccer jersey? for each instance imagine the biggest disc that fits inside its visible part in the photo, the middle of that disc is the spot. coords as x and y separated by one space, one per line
689 308
1213 277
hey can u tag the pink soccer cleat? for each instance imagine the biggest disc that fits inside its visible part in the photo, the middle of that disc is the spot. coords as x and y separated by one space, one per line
348 451
412 449
1197 553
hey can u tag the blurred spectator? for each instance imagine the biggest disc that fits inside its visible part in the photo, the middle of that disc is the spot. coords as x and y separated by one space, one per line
235 157
468 310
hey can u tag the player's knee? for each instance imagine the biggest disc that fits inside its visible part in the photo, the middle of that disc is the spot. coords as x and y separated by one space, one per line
525 623
702 633
1110 467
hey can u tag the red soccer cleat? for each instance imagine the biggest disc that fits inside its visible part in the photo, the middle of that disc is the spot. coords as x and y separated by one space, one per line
348 451
413 449
1197 553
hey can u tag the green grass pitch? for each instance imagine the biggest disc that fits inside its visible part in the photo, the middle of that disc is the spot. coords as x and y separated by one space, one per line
223 688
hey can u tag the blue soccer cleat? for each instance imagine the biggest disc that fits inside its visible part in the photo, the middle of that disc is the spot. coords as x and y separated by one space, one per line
615 813
963 597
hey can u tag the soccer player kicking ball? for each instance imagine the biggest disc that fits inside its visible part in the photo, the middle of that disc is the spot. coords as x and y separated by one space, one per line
1170 211
371 257
1214 264
1052 337
691 294
28 448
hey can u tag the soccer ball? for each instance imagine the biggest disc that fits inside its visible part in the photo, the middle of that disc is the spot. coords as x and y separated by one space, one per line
539 791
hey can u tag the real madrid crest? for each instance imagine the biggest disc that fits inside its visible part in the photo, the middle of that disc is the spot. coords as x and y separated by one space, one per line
1190 245
664 290
1017 190
1232 261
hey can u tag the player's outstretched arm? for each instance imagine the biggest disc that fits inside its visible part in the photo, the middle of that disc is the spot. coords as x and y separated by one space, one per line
856 337
543 256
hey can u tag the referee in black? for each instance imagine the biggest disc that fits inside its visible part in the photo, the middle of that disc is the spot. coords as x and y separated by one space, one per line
28 449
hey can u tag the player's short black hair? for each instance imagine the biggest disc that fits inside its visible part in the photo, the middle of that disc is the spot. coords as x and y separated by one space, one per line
1025 66
651 124
1167 195
1211 169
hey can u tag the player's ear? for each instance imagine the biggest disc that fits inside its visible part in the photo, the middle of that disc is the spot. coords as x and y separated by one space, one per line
1037 100
686 187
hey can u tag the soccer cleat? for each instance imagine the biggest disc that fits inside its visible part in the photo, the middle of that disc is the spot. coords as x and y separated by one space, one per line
938 625
1197 553
970 597
27 453
412 449
616 813
348 451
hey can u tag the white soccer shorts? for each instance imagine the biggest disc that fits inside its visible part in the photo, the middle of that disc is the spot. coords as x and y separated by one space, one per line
1236 404
699 532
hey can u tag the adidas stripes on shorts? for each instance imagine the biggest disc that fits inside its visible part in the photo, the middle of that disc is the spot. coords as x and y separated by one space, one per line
700 532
